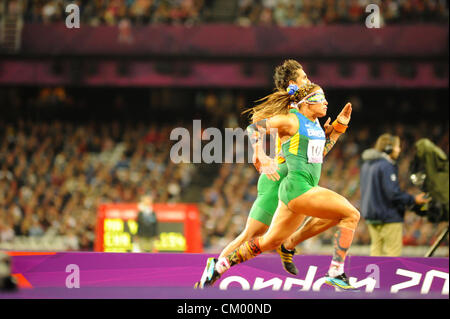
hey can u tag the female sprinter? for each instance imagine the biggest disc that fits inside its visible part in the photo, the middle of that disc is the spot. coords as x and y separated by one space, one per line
265 205
262 211
303 143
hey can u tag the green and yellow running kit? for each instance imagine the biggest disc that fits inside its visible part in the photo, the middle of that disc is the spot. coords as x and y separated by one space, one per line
304 156
266 202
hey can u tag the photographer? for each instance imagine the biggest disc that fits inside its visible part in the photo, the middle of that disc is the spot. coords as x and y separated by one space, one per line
383 203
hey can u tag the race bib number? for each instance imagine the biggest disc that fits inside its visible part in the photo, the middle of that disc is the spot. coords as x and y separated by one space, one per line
315 151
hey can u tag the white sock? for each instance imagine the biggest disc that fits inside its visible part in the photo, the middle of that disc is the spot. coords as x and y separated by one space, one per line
222 265
336 269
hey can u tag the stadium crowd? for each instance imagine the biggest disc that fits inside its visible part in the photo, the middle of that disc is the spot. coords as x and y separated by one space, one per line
112 12
248 12
325 12
53 174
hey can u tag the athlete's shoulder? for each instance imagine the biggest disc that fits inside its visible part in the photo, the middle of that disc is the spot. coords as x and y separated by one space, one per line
310 129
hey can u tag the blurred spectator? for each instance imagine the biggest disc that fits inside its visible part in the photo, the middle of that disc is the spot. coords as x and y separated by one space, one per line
383 203
147 225
51 11
125 35
355 11
140 11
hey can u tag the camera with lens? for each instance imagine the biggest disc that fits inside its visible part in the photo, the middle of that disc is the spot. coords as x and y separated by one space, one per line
429 172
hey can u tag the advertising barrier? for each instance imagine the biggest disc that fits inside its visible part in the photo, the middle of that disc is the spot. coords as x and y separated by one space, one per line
178 228
217 40
384 277
230 74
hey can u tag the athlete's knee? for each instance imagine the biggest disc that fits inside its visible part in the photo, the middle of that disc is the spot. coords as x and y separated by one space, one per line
356 215
249 234
352 219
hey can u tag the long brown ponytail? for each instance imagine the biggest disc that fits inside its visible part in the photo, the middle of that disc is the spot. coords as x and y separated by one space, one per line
278 103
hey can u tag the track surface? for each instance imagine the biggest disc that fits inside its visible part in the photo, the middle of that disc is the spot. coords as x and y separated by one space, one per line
189 293
172 276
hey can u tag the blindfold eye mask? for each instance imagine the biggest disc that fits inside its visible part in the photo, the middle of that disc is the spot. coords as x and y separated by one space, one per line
315 97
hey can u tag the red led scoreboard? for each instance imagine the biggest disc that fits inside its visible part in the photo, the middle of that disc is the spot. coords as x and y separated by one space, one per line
178 227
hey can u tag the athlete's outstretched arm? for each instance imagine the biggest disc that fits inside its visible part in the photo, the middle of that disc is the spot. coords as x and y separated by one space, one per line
284 124
337 128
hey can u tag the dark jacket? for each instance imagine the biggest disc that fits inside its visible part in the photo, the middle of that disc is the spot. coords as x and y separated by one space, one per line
147 223
382 200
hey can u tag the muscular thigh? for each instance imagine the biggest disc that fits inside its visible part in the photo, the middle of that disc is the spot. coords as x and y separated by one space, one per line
323 203
284 223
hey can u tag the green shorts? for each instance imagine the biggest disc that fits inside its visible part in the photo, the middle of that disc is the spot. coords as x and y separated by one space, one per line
295 184
266 203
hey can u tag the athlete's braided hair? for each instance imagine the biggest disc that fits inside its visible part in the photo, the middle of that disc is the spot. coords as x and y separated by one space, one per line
286 72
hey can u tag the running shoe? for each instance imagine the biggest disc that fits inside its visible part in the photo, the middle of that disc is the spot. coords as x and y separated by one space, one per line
340 281
210 275
286 259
